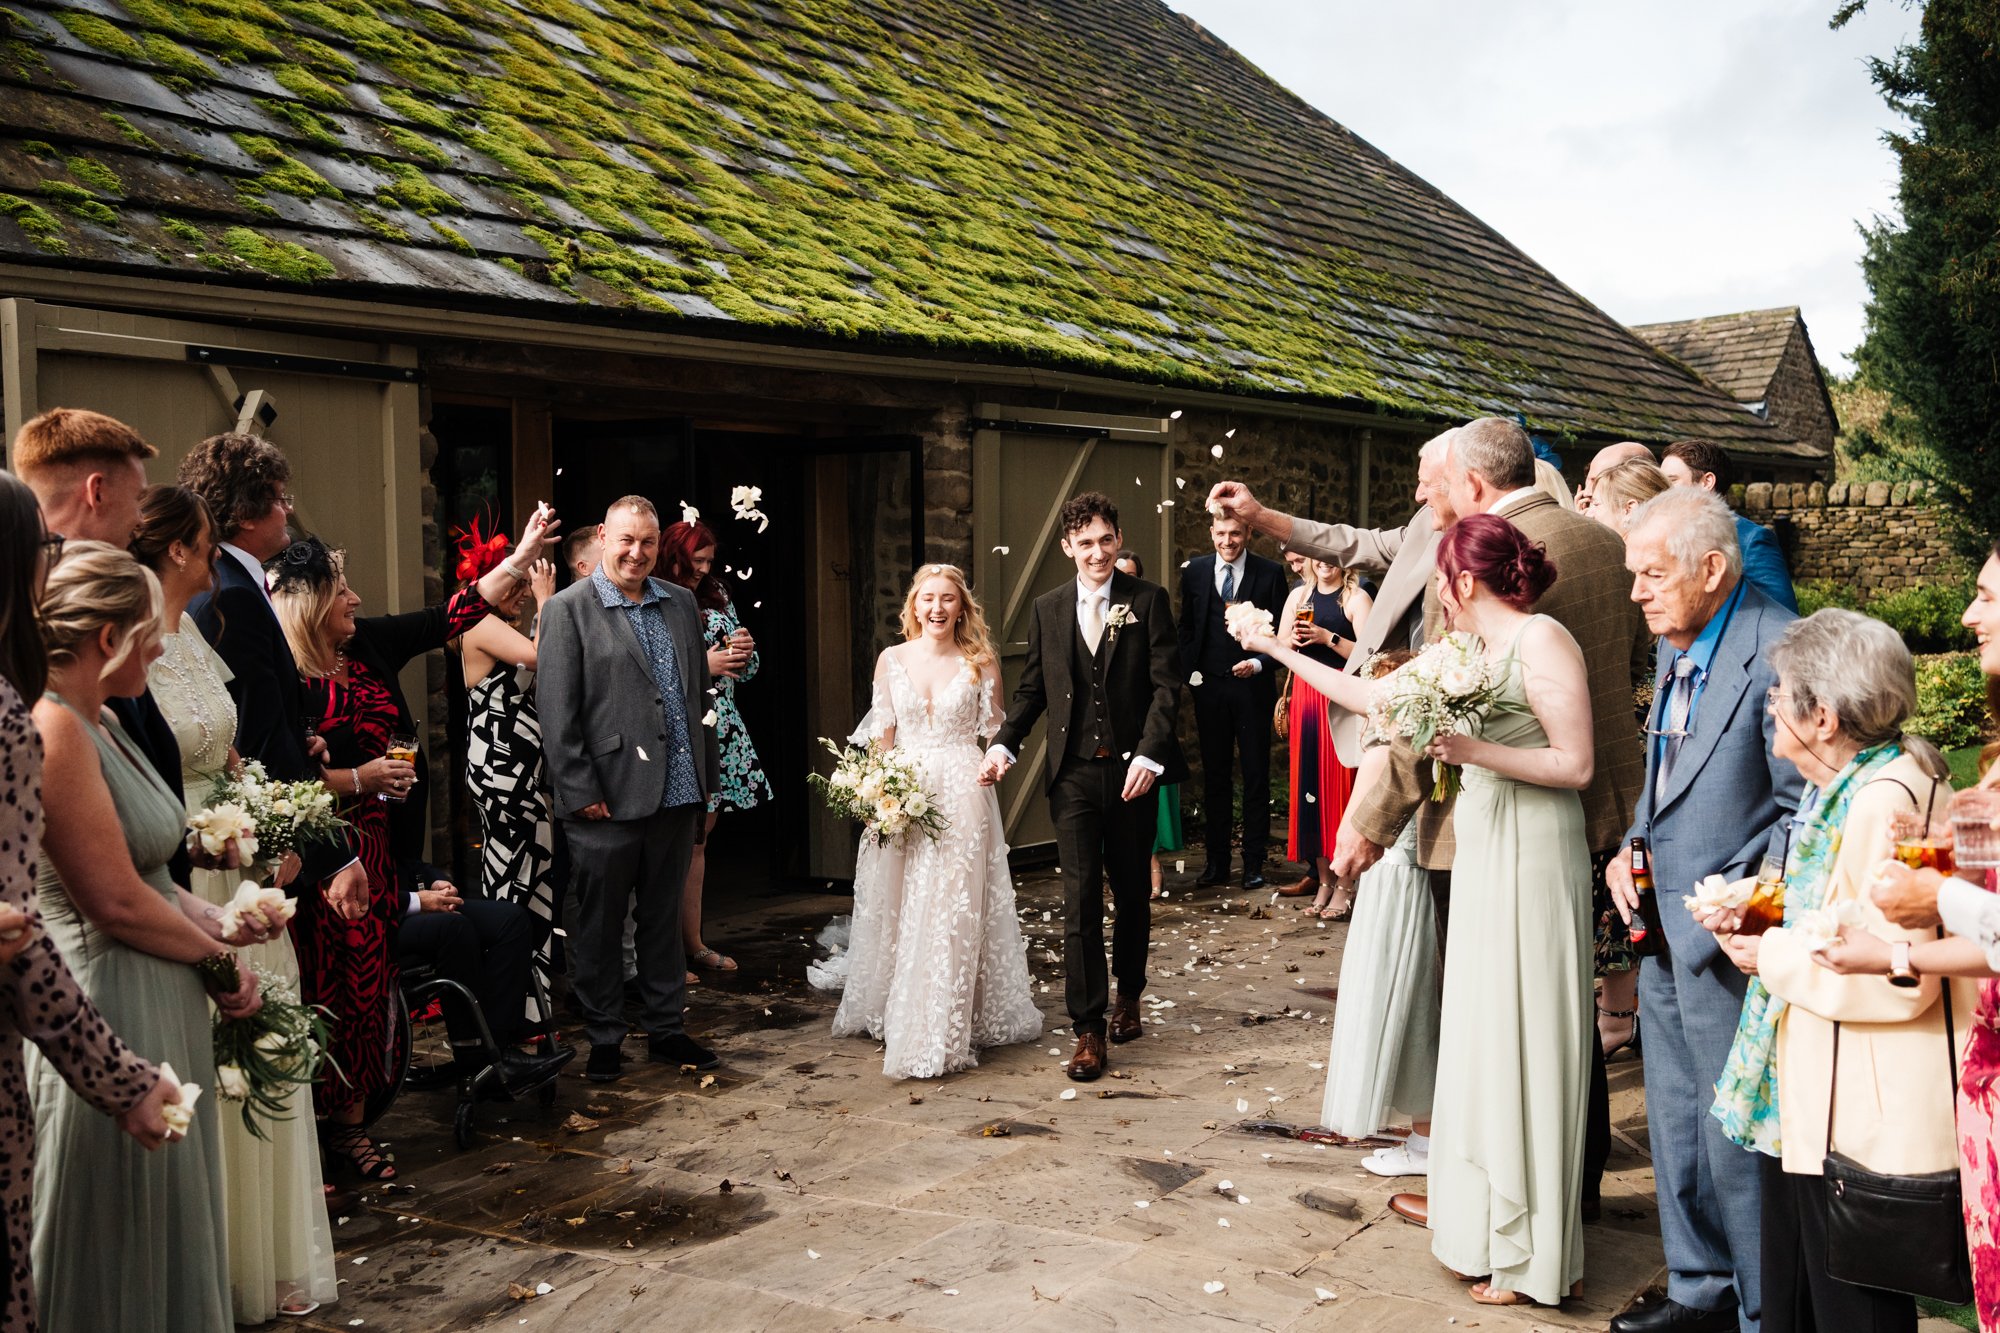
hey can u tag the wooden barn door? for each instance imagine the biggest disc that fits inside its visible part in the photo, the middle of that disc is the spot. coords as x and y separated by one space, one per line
1025 464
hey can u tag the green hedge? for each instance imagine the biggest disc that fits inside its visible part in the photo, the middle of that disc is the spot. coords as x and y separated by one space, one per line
1951 700
1926 616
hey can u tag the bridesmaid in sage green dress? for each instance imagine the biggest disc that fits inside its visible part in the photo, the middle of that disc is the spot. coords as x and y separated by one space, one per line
123 1238
1506 1154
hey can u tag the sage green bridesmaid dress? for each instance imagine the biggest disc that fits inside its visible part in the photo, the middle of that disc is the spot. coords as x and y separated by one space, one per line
1513 1047
124 1238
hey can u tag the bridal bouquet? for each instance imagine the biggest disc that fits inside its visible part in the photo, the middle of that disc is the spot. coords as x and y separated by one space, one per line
880 789
280 816
1447 687
259 1060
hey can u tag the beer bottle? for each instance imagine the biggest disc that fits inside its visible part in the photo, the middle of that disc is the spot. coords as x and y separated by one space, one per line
1644 928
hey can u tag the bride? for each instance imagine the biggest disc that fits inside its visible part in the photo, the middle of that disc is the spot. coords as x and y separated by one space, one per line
937 967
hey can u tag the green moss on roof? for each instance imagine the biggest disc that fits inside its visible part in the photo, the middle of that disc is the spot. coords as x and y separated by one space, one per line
1093 184
185 231
129 132
36 223
281 259
95 174
80 202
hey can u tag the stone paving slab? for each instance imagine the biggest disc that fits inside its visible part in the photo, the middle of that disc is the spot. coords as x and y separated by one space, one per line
987 1183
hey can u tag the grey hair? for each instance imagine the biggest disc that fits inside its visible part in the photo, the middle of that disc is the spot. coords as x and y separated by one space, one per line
1438 447
1858 667
1697 522
1498 450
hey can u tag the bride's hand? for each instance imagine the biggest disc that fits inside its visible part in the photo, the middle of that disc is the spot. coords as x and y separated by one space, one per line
1451 748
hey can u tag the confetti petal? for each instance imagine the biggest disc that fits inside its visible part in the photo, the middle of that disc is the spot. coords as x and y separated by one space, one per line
1069 1094
1215 450
812 1254
1210 1287
1003 550
1174 415
1322 1294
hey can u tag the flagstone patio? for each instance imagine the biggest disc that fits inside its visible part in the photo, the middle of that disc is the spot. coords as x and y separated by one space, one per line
797 1188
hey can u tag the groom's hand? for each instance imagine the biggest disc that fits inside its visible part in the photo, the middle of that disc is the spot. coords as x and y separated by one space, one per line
1138 781
994 769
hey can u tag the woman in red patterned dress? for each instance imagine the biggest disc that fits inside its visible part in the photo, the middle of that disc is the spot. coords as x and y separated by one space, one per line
354 701
1971 913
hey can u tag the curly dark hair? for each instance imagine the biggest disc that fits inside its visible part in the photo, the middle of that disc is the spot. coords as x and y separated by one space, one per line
1079 510
23 660
239 476
1701 456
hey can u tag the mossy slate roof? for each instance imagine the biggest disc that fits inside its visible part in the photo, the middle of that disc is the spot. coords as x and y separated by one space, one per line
1738 354
1093 184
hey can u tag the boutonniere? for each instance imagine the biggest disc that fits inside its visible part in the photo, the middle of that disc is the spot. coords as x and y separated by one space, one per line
1117 618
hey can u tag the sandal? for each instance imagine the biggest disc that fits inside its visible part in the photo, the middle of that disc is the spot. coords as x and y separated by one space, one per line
1610 1046
1483 1293
350 1146
714 961
1342 912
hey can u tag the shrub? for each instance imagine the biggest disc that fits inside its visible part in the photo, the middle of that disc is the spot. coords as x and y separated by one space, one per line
1951 700
1926 616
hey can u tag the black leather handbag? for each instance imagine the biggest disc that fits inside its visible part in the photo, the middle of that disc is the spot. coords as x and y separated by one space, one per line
1897 1233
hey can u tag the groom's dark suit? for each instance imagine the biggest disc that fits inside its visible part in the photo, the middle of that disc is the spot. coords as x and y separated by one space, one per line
1104 709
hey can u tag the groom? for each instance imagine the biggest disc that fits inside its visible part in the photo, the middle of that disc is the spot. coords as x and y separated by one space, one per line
1104 664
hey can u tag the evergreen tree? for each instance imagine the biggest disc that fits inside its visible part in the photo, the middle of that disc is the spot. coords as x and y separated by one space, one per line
1933 330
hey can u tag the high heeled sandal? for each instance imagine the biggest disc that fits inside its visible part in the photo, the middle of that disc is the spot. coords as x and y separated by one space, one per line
1631 1035
352 1149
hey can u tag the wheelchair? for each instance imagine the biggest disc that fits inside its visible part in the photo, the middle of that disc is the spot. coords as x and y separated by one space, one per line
429 1063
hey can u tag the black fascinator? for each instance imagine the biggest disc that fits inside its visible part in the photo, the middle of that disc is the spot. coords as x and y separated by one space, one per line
306 565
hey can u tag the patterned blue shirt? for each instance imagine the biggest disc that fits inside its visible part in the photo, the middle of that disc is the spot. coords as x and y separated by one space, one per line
649 622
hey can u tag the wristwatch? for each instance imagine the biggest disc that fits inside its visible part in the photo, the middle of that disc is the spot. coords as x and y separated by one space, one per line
1900 971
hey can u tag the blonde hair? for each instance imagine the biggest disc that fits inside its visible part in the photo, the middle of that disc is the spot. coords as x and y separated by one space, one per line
1634 481
303 607
94 585
970 631
1549 481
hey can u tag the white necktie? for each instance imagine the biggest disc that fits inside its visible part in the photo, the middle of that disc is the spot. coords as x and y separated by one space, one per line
1093 621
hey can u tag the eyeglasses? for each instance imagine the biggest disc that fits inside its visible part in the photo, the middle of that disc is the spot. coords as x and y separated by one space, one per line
285 498
1773 697
52 547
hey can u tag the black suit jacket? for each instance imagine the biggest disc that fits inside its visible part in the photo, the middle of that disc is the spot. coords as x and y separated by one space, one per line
148 728
1263 584
1142 678
237 618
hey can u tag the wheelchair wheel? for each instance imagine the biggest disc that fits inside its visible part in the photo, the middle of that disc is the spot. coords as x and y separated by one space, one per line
461 1126
398 1062
547 1093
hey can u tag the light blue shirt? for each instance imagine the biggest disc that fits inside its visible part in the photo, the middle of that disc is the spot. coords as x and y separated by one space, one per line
1701 652
649 622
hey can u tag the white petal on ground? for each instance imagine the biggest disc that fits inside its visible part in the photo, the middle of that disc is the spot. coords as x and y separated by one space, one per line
812 1254
1069 1094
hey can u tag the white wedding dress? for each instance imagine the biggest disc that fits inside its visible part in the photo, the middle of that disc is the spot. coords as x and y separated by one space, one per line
280 1245
937 968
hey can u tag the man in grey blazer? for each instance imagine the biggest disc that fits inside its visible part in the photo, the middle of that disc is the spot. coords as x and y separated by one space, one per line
622 688
1715 801
1406 557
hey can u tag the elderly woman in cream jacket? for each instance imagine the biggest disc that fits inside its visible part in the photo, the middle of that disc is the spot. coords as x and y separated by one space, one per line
1845 685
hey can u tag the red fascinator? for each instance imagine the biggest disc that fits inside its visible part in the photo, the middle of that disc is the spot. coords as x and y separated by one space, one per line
478 553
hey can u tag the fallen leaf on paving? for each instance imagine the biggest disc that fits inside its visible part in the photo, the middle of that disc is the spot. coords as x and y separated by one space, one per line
727 1186
707 1081
916 1099
517 1292
497 1169
579 1123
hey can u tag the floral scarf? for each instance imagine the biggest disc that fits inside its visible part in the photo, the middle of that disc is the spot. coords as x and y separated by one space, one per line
1746 1096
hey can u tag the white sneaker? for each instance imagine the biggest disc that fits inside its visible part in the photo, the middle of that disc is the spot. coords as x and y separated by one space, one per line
1397 1161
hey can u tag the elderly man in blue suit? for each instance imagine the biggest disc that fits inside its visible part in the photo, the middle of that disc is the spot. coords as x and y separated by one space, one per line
1701 464
1716 801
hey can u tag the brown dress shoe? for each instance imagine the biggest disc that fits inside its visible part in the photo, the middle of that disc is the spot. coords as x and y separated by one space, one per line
1124 1024
1086 1062
1300 889
1414 1207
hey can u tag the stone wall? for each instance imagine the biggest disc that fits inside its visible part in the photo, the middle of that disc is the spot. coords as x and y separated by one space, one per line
1874 537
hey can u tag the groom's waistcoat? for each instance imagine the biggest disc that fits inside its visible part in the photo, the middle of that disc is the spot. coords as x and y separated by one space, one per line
1090 710
1219 650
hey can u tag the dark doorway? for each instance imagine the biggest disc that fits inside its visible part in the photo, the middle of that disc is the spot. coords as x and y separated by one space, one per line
813 587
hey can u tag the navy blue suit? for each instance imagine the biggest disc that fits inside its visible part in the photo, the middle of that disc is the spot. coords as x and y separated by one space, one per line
1727 802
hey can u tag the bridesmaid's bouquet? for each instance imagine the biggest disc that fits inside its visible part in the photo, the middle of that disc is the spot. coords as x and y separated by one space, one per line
259 1060
1447 687
880 789
265 818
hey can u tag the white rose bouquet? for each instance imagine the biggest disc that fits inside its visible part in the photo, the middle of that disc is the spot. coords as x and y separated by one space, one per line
1447 687
260 1059
880 789
282 816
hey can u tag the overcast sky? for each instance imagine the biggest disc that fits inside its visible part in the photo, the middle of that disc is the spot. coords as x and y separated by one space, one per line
1666 158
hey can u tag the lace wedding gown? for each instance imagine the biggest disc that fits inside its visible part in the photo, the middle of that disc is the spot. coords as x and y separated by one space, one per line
937 966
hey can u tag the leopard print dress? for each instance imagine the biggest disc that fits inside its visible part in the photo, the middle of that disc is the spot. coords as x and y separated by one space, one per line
41 1001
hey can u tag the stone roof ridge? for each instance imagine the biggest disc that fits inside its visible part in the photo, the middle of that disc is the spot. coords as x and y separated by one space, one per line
1015 179
1738 353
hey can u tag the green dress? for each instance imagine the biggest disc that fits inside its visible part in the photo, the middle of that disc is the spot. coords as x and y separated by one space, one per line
1514 1043
125 1238
1167 835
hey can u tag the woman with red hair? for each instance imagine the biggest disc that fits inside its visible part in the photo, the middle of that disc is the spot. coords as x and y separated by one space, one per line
687 557
1506 1153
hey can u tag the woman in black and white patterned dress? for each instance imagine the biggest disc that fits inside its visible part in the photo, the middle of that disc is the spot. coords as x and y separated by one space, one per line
503 769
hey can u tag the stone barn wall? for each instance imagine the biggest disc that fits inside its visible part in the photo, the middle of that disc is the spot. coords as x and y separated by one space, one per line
1875 537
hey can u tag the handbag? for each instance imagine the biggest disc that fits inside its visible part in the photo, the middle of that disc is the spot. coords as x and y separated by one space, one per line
1281 715
1897 1233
